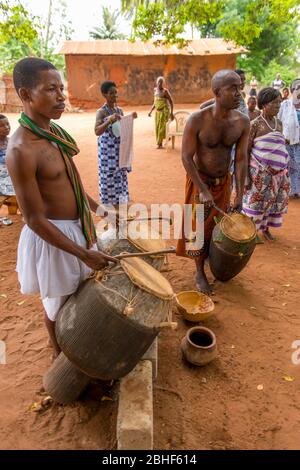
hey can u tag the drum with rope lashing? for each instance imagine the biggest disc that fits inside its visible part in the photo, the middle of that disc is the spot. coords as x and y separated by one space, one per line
109 323
232 244
133 236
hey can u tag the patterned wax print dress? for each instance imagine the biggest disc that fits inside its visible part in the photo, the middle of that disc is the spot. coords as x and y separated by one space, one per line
267 199
6 186
113 181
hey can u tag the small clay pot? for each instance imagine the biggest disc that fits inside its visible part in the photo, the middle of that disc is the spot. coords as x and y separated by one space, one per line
199 346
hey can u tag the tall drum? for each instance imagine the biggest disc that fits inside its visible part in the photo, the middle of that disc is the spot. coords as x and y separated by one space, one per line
232 244
110 322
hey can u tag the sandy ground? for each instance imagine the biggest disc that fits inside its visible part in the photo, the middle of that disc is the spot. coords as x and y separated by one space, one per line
216 407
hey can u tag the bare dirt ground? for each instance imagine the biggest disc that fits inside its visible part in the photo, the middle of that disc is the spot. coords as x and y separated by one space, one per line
216 407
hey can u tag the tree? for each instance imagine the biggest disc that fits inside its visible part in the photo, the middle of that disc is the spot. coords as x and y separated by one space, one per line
166 20
23 35
268 29
16 23
56 29
18 33
110 27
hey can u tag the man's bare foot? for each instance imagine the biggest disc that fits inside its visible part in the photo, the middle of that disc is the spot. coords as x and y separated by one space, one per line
160 146
202 283
267 234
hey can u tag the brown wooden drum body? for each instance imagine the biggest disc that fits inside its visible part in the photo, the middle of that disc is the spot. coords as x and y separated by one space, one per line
64 382
230 250
98 337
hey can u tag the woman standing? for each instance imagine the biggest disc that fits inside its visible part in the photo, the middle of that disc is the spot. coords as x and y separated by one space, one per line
290 115
266 196
113 182
162 104
253 87
6 186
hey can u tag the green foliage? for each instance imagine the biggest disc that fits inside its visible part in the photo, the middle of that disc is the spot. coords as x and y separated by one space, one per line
109 30
23 35
157 21
245 21
16 23
166 20
269 34
269 29
18 32
287 72
57 29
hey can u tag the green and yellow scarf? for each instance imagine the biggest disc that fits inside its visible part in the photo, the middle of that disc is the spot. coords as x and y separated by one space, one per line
68 149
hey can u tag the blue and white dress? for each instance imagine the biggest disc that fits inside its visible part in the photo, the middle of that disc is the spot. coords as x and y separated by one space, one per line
113 181
6 186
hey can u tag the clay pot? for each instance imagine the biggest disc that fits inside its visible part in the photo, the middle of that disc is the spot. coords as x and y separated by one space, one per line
199 346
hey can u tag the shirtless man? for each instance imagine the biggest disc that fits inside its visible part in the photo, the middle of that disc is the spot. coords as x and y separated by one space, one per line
206 152
57 245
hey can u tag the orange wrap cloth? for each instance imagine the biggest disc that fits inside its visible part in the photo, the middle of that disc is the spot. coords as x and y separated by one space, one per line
220 189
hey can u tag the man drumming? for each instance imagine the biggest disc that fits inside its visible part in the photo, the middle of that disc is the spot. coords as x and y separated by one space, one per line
206 153
57 248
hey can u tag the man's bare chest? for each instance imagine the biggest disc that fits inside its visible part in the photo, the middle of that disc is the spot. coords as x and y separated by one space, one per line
50 162
215 135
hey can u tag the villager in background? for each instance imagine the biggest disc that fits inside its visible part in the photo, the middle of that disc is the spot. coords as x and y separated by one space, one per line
267 192
290 116
163 105
253 113
113 180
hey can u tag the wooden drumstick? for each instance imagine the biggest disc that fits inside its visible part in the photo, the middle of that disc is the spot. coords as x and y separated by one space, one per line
223 213
152 218
146 253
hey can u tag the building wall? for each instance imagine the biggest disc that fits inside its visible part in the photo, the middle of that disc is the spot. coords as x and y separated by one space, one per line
9 100
188 78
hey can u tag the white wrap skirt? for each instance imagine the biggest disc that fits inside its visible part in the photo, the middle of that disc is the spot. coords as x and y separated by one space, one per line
49 271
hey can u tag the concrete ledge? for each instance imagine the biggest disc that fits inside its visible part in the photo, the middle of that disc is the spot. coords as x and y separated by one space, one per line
135 412
152 355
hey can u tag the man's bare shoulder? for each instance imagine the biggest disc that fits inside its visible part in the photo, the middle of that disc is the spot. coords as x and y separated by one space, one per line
199 116
241 118
22 145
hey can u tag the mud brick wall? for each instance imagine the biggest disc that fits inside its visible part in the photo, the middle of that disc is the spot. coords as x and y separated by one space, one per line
188 77
9 100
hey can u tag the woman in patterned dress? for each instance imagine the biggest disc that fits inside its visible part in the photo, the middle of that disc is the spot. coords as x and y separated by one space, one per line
266 195
113 181
6 186
163 105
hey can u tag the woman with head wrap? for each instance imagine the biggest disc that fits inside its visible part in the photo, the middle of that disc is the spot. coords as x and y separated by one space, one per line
162 103
266 195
